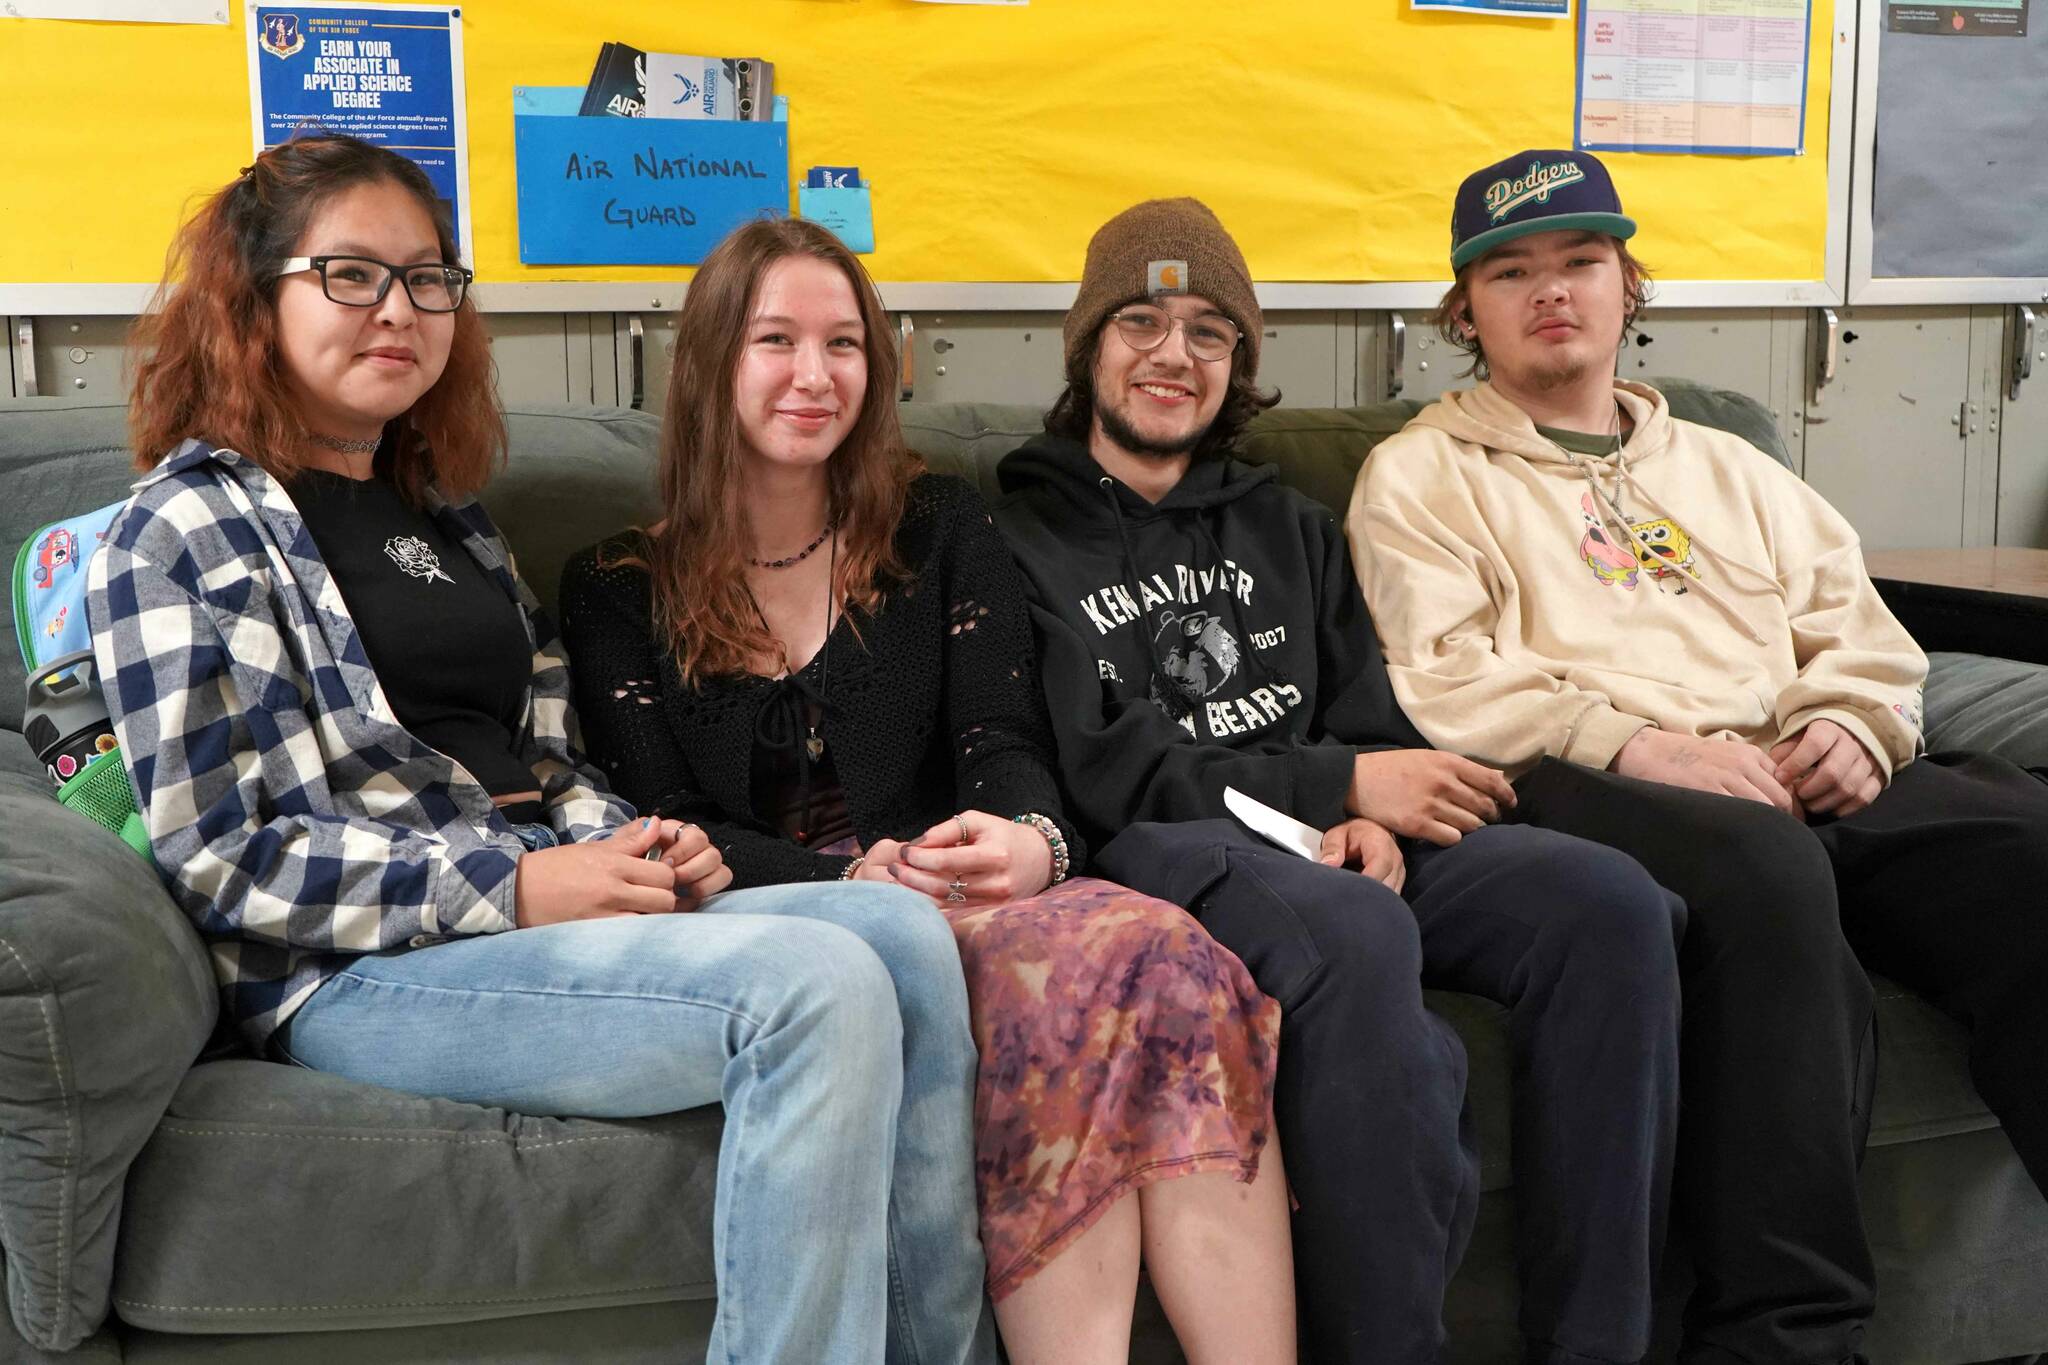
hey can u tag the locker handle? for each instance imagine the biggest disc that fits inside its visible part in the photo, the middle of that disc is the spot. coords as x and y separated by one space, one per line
25 353
2022 351
637 341
1397 352
1828 351
906 355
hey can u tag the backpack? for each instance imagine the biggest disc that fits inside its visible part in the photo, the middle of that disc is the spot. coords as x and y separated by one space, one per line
67 722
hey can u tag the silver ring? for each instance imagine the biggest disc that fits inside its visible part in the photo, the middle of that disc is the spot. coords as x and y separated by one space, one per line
954 892
965 837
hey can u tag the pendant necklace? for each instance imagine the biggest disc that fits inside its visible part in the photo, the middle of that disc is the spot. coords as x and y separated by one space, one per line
815 744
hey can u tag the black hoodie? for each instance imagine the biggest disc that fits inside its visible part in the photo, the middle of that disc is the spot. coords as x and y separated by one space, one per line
1216 638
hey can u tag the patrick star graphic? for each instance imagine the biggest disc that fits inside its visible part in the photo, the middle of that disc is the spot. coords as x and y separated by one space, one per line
1610 563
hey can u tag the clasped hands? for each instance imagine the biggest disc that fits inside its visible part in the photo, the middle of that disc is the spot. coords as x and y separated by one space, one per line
970 857
1821 770
621 875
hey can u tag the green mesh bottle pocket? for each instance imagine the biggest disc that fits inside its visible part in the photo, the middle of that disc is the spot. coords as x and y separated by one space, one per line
103 795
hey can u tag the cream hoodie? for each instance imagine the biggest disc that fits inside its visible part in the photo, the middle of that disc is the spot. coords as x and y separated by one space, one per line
1518 623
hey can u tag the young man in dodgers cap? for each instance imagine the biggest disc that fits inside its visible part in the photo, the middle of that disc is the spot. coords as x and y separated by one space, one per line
1671 643
1200 628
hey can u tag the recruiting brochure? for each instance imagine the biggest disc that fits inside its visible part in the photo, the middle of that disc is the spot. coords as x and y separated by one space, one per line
388 74
630 83
618 83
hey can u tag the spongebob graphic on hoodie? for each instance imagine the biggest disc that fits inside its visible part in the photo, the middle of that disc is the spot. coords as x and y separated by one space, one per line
1661 546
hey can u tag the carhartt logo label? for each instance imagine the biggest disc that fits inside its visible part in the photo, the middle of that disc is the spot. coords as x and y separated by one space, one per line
1505 196
1166 277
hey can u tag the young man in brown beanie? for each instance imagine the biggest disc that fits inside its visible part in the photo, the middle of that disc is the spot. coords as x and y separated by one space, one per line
1200 629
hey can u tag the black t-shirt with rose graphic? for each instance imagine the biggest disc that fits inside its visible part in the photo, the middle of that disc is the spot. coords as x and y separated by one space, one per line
445 641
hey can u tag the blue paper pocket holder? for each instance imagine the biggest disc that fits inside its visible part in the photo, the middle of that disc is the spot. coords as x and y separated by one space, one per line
846 209
639 191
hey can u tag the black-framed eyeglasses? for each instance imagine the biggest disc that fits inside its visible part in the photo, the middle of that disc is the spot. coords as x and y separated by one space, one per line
1144 327
363 281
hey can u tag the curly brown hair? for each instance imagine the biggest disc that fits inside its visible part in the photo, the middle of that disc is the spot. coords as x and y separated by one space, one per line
1453 313
209 343
1073 413
697 558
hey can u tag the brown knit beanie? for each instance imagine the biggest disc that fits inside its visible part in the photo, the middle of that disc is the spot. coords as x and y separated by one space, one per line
1162 246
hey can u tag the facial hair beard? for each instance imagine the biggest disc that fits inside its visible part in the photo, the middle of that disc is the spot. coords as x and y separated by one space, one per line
1128 438
1565 373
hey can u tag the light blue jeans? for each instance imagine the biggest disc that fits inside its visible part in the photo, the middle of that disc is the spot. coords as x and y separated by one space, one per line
831 1022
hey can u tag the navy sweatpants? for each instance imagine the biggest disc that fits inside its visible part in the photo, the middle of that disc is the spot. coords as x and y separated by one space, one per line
1940 883
1580 945
1778 1061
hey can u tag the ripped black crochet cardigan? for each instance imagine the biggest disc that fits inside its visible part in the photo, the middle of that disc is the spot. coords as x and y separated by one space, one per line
932 706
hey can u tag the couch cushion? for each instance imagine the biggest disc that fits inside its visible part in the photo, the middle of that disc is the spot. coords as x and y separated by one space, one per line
1986 705
575 476
1319 450
17 758
274 1198
969 439
105 999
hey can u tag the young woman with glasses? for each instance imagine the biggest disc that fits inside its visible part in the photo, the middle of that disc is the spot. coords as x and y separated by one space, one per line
349 730
822 655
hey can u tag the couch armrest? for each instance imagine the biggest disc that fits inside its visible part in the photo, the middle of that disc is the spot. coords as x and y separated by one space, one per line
105 999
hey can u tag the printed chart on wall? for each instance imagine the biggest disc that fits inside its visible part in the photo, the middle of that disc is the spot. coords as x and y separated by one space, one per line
388 74
1726 76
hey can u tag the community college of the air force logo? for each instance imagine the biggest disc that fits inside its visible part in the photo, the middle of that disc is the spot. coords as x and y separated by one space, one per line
281 36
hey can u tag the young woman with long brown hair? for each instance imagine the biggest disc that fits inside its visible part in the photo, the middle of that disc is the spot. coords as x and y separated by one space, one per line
821 655
349 730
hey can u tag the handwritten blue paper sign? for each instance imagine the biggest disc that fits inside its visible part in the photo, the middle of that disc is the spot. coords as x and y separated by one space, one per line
616 191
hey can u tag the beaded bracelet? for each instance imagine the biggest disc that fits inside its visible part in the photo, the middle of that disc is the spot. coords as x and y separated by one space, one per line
846 874
1054 840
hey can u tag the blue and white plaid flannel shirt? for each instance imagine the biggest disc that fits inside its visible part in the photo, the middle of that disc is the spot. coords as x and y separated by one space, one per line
298 822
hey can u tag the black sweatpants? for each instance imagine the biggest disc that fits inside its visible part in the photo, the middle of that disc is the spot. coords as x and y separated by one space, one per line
1778 1051
1944 888
1580 945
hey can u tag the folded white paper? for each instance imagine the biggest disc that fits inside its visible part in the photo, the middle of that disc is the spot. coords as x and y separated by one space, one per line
1276 827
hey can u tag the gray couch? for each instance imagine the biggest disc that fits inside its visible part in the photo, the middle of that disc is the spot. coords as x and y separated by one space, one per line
237 1210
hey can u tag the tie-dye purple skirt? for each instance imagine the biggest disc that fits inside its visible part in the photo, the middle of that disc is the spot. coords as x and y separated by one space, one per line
1120 1045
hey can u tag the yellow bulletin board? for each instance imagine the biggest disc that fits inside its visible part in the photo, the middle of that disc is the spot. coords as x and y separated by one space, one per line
1328 135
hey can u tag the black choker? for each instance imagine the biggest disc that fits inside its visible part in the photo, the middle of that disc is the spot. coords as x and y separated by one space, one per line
796 558
344 445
